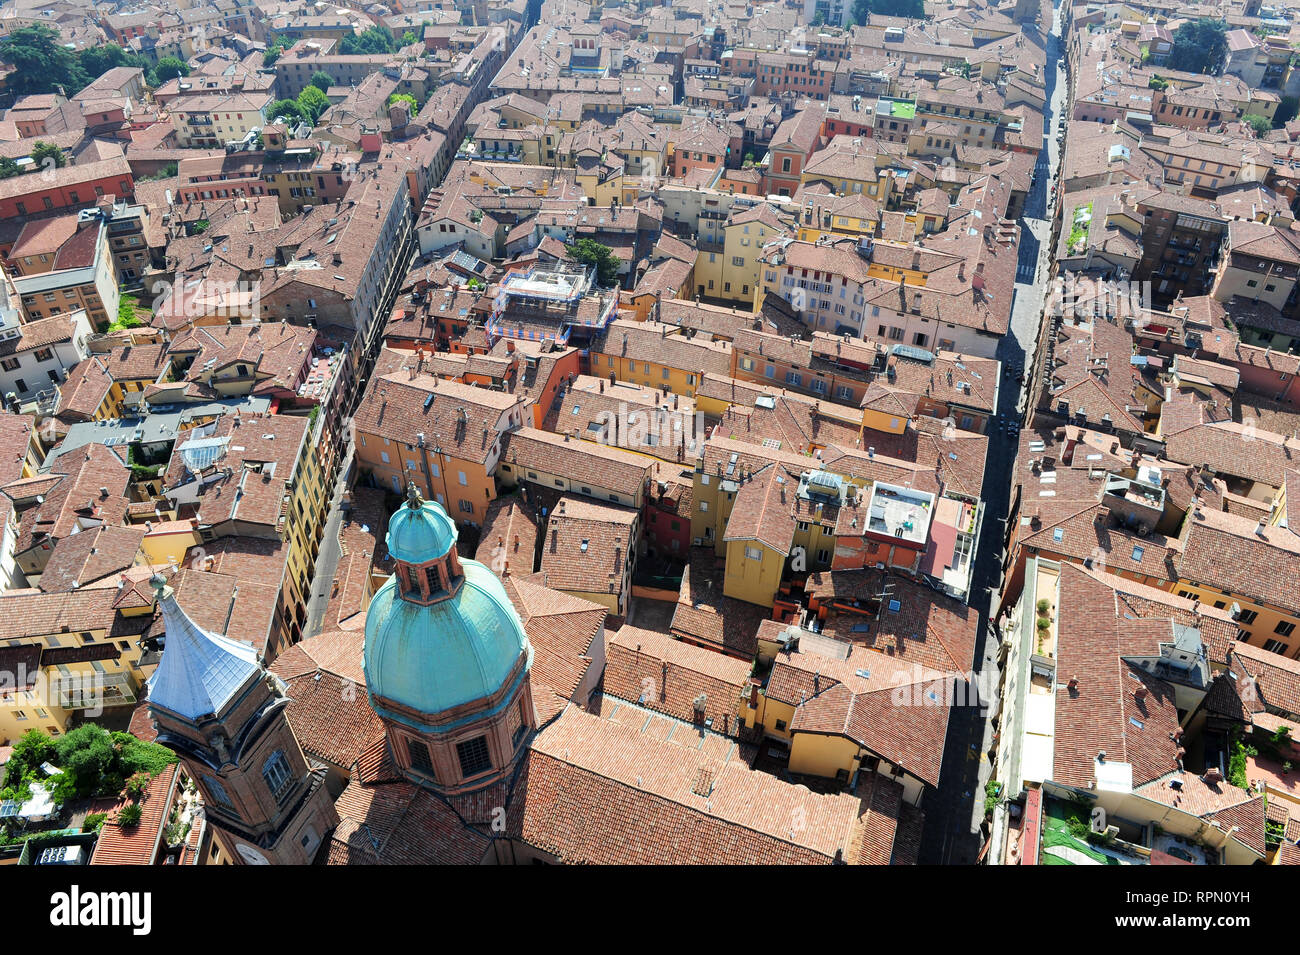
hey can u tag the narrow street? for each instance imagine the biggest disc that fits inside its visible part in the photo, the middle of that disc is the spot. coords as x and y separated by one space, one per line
327 561
955 812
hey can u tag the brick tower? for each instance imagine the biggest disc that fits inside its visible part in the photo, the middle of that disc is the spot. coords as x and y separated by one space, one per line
224 714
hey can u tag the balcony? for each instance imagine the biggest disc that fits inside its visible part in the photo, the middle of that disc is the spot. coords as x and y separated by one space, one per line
91 689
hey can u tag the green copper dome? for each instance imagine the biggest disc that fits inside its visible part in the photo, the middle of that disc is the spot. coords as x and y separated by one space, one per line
420 531
431 653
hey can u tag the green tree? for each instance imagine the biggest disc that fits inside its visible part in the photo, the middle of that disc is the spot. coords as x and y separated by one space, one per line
404 98
33 748
41 62
169 67
312 102
1258 123
322 81
88 760
286 109
591 252
370 40
47 155
97 60
274 47
1200 46
8 167
408 38
914 9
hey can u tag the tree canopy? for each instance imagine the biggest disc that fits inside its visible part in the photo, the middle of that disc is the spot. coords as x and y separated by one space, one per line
47 155
312 102
169 67
286 109
94 761
915 9
370 40
1260 124
42 64
322 81
275 45
591 252
1200 46
405 98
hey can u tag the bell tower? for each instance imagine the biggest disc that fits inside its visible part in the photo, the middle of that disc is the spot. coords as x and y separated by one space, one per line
224 715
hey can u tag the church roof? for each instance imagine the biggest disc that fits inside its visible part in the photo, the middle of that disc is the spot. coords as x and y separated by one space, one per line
199 671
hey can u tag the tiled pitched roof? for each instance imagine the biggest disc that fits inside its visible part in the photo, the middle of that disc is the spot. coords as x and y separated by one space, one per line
896 709
328 708
564 631
80 559
587 545
764 509
1116 707
602 792
139 844
1236 555
584 462
664 674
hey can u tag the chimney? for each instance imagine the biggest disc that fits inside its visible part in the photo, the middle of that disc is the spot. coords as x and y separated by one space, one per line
1140 694
1074 683
1212 776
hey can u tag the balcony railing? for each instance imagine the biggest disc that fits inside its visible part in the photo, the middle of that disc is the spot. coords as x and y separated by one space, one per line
92 690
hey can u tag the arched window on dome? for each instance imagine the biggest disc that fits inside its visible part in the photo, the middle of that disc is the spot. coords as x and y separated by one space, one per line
474 756
433 580
418 753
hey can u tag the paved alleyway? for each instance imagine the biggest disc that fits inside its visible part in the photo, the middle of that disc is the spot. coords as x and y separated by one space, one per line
955 812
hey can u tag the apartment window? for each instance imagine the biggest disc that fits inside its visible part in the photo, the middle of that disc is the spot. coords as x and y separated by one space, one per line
467 507
461 477
753 553
780 726
275 771
895 334
1247 616
1275 646
704 506
1284 628
474 757
383 456
10 364
44 354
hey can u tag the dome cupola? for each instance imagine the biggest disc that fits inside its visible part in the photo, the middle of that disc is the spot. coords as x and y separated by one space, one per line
446 657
